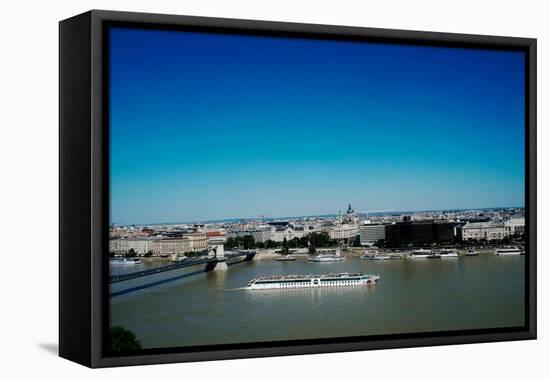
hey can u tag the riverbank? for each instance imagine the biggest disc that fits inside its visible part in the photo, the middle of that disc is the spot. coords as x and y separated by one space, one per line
271 254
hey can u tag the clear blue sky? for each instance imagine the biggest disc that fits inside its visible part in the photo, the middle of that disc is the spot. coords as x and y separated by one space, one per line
207 126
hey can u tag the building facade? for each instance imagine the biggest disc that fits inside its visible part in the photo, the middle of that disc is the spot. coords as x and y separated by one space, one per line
516 225
192 242
123 246
484 231
344 232
371 233
347 229
260 234
428 231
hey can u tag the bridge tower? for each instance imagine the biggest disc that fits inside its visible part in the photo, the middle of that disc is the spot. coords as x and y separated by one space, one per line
218 252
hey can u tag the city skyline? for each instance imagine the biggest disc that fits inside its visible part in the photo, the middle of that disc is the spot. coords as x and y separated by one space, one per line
369 213
226 126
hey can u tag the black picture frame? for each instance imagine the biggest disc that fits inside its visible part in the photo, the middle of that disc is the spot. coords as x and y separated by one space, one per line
84 189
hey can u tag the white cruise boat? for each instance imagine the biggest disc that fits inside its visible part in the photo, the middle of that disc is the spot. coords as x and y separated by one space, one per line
124 261
376 256
286 258
421 254
176 258
312 281
447 253
326 258
509 251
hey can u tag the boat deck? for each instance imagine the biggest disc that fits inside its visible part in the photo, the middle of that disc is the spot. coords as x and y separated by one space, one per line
311 276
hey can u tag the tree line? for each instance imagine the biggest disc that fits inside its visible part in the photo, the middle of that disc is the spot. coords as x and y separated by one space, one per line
312 241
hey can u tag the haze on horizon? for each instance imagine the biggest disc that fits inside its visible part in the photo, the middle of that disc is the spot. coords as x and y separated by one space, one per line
288 217
208 126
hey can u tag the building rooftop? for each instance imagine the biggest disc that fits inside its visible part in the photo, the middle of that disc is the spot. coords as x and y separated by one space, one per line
482 225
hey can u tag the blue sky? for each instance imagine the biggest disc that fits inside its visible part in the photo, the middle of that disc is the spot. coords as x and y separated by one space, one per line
207 126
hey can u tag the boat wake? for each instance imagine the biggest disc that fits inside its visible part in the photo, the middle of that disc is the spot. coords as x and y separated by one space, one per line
235 288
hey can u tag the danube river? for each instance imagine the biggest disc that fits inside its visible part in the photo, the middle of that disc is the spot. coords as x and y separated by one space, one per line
482 291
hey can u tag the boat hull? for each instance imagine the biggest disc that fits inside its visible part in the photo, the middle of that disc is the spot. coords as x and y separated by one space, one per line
380 258
124 262
332 260
312 282
286 259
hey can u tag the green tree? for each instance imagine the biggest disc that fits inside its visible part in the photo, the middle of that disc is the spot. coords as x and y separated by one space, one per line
284 250
131 253
230 243
123 340
321 239
381 243
248 242
303 242
271 244
239 242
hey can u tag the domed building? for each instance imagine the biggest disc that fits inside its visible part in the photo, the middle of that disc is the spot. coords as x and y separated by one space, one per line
347 230
350 215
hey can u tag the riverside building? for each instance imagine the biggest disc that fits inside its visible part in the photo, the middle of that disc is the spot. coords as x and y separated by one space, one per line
190 242
372 232
420 231
281 230
484 231
516 225
121 246
260 234
347 230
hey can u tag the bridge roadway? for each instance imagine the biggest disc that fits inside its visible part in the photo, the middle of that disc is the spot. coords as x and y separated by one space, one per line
170 272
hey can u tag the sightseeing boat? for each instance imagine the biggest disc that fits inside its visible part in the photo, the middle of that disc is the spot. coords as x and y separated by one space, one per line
422 254
312 281
375 256
326 258
444 253
509 251
176 258
286 258
434 256
124 261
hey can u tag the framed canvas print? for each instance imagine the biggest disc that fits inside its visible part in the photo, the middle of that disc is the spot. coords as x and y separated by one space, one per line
234 188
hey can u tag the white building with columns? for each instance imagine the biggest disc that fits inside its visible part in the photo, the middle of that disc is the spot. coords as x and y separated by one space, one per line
123 246
516 224
191 242
484 230
347 229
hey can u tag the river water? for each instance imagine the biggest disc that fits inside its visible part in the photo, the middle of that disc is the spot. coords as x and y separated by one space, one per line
482 291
